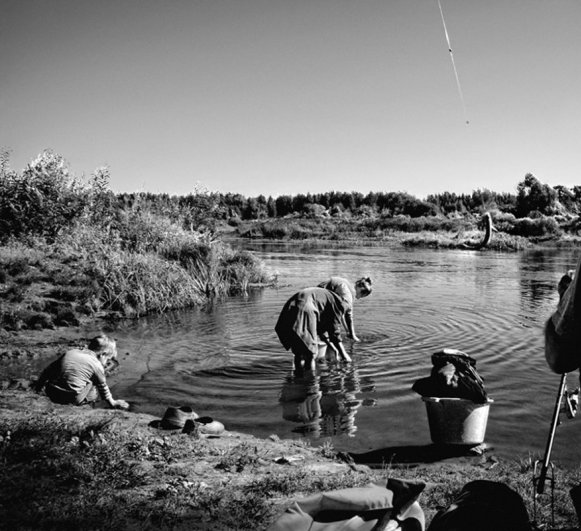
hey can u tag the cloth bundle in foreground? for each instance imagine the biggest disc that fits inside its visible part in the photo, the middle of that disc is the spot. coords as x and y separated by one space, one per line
394 507
483 505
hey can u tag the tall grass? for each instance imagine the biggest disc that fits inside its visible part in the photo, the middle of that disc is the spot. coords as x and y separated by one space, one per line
136 284
92 272
100 256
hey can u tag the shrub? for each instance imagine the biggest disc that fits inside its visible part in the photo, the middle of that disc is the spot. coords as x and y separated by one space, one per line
239 269
40 201
143 232
540 226
135 284
424 223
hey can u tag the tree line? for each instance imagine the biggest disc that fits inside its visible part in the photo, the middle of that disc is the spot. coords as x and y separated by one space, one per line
44 197
531 198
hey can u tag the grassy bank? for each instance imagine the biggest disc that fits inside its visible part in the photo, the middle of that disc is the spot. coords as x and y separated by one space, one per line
85 273
71 250
66 467
437 231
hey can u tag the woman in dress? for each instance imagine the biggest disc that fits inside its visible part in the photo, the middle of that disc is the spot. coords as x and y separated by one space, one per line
310 318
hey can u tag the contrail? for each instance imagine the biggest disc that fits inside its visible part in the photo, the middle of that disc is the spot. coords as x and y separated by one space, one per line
453 64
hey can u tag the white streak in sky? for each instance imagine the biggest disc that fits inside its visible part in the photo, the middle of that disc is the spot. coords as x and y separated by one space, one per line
453 64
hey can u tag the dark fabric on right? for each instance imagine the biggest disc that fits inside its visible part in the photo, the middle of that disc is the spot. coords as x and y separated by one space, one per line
483 506
453 375
563 329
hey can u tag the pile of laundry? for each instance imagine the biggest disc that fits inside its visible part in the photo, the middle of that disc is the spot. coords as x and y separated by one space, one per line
453 375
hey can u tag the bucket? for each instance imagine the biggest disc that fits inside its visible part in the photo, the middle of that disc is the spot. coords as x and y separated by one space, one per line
456 420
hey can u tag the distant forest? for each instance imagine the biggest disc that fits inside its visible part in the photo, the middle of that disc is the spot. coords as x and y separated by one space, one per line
45 197
532 198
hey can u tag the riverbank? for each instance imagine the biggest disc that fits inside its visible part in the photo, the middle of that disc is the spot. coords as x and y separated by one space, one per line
493 231
71 467
84 275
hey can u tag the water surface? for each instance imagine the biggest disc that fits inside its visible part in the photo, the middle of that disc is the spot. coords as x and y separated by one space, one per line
225 360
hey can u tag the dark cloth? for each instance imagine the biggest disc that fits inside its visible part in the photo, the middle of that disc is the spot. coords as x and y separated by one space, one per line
563 329
483 505
307 315
453 375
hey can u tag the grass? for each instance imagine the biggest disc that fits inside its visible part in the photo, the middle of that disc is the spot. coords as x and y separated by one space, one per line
86 272
81 468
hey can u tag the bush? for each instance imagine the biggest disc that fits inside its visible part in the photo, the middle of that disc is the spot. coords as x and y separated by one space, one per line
284 229
429 223
135 284
42 200
528 227
144 232
239 269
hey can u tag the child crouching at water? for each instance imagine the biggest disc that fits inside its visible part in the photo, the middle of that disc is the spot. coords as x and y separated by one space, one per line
78 376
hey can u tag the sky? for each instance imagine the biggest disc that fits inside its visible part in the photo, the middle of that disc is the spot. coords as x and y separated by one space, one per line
279 97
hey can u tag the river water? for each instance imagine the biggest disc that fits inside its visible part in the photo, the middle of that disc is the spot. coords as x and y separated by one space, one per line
225 360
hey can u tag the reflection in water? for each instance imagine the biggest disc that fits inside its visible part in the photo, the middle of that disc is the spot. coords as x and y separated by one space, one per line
323 403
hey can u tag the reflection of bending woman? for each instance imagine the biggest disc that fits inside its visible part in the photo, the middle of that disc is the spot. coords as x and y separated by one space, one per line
325 403
339 401
300 399
308 317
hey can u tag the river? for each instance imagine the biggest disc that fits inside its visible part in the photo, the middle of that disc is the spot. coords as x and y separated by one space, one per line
225 360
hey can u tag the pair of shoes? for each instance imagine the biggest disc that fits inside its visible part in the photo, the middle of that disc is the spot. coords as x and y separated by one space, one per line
175 418
203 426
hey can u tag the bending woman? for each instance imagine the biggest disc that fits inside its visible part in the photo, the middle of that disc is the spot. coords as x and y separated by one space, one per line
310 316
348 292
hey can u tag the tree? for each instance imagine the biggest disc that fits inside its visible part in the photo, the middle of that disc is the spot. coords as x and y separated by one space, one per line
252 209
533 195
200 210
101 199
42 200
299 201
567 198
284 205
271 207
262 206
